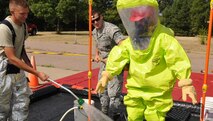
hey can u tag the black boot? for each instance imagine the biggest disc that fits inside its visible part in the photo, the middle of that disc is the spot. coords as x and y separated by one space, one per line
116 117
120 117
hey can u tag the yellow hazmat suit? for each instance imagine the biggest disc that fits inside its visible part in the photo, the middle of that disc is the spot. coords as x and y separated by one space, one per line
153 69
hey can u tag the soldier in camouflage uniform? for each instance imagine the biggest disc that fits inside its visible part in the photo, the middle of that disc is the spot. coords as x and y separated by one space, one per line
106 36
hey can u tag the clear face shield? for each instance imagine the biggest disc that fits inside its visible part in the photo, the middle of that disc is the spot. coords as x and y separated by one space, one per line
140 22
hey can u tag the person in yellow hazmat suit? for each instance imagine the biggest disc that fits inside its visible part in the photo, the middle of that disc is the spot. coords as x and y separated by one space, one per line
156 60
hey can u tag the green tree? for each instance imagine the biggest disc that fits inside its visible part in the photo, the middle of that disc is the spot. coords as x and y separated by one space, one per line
109 10
199 15
44 9
177 17
187 17
4 11
56 12
68 9
163 4
167 16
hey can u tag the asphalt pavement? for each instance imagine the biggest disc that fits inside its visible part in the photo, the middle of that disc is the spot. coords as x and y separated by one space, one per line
59 59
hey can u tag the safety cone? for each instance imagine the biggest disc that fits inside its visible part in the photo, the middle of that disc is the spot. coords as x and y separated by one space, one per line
32 78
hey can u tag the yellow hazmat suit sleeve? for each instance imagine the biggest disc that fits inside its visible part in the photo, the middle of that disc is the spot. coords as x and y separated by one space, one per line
117 59
188 89
177 60
117 62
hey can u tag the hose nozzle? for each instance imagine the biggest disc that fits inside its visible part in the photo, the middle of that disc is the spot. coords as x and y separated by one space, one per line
80 101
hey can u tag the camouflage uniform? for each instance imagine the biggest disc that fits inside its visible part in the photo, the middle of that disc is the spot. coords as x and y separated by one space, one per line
106 38
14 89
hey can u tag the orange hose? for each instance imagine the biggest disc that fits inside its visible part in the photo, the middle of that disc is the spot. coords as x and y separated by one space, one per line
204 87
90 52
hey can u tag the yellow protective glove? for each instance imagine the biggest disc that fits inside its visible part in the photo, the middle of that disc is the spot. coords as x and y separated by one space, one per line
102 83
188 89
